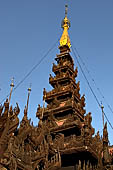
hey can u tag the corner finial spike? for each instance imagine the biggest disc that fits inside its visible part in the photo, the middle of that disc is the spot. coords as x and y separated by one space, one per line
102 107
12 82
29 91
12 85
26 106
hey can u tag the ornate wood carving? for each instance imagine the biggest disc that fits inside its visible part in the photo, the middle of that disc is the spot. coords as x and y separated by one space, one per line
63 131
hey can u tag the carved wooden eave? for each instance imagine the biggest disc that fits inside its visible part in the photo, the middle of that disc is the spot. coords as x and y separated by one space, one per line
62 91
65 126
57 68
81 149
64 54
77 145
66 107
64 78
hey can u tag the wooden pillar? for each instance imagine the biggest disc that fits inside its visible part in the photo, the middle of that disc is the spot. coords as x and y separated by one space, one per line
87 166
90 167
79 165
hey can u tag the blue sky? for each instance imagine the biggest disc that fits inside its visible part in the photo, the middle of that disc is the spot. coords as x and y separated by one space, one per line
29 28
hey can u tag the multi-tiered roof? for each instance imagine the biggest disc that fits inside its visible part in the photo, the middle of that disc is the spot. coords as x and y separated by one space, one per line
70 129
64 138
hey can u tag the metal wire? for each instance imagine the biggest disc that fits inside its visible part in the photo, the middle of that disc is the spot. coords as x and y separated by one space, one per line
90 87
98 89
31 70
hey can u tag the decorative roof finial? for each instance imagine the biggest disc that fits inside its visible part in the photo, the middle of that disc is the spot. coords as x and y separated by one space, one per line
12 85
26 107
65 40
44 98
29 91
102 107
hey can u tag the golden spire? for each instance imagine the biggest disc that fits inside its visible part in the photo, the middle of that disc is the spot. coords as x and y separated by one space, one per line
65 40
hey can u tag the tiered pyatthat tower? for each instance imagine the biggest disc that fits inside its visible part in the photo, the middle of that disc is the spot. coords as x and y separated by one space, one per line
70 131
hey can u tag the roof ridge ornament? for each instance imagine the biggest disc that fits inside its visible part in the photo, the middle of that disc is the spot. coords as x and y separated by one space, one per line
65 40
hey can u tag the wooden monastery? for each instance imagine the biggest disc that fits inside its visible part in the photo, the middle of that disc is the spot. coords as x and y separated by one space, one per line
64 138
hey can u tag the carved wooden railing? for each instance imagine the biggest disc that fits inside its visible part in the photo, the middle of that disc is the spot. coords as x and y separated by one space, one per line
73 141
83 165
54 163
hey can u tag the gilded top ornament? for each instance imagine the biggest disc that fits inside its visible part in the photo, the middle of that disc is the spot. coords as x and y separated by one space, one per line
65 40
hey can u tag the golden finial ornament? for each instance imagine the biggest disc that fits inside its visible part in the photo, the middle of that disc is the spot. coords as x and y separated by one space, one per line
65 40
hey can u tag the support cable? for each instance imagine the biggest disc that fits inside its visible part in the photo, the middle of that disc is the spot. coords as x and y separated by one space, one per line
86 78
108 120
32 69
90 87
98 89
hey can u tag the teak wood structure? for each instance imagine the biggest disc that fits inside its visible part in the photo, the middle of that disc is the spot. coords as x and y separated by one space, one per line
64 138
